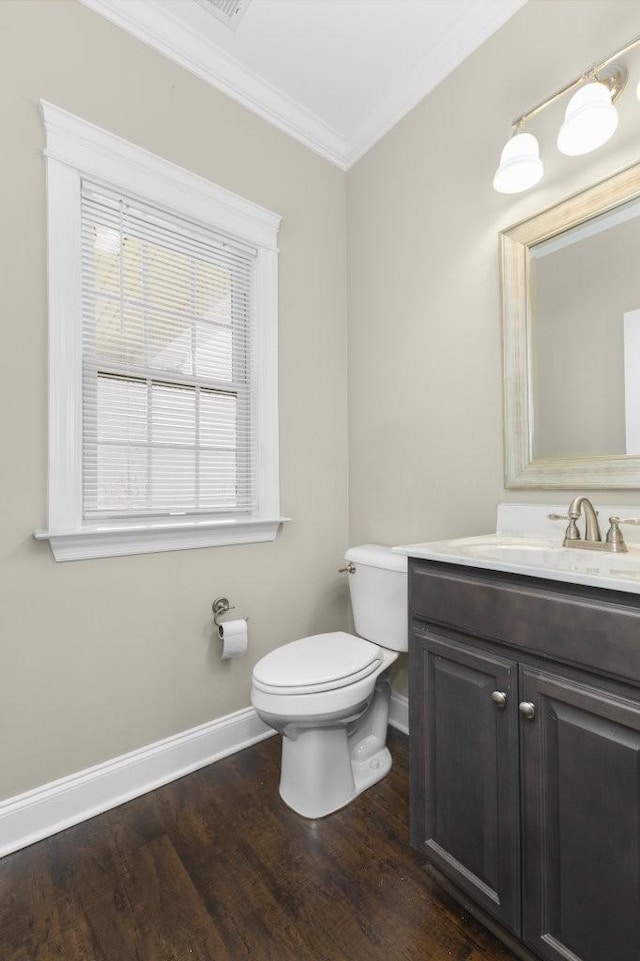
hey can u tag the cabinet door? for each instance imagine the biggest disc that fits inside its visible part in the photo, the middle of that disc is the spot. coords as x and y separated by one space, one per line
581 812
464 770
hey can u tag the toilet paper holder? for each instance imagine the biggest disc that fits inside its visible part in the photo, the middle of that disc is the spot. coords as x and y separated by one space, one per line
220 607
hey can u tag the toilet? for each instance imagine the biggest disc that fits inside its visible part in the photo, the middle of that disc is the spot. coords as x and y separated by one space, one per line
328 694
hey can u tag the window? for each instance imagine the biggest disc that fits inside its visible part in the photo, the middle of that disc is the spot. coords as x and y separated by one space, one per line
163 322
166 311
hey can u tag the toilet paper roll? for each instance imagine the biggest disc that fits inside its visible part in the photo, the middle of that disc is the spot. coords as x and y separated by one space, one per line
235 637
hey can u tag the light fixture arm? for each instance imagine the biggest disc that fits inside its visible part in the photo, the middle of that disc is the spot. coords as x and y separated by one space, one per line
615 79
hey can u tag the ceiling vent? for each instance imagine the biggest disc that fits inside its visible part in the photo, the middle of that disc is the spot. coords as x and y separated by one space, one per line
229 12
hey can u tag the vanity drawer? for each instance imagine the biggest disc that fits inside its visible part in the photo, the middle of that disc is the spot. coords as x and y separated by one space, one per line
587 626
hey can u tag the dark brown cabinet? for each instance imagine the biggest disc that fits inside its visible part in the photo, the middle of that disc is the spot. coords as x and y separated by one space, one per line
581 819
465 792
525 768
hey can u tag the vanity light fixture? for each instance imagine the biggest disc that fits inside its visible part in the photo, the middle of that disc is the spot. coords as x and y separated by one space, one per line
590 121
591 118
520 165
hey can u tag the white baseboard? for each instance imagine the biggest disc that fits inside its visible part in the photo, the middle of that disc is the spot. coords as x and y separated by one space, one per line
60 804
37 814
399 712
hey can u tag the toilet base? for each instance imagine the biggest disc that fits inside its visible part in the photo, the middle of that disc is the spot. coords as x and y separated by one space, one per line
324 768
333 796
366 773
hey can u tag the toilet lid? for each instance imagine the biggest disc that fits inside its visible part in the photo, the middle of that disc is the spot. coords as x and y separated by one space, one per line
322 662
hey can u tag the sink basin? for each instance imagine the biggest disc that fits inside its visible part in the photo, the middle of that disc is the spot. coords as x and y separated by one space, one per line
537 558
541 555
548 555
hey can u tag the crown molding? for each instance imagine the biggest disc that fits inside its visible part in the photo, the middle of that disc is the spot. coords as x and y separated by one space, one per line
155 25
471 30
159 28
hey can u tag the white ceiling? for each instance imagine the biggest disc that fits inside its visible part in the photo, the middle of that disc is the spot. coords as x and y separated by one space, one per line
335 74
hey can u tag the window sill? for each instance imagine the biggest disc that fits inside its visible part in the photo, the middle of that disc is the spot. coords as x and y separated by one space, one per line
116 541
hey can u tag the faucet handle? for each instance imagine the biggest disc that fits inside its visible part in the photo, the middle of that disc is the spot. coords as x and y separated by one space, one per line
614 541
571 533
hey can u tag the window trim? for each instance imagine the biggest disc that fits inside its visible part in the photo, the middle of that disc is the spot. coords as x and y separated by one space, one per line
76 149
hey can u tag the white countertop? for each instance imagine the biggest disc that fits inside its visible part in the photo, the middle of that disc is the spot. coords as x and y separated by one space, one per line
528 543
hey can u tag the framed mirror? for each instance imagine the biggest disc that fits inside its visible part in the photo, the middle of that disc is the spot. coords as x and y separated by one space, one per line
571 340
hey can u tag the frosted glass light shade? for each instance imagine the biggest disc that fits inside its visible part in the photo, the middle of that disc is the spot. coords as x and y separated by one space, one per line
590 120
520 165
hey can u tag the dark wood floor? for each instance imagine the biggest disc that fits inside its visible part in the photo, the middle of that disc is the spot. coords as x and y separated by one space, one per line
215 867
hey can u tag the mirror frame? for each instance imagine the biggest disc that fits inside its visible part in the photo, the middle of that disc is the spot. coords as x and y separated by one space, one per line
521 469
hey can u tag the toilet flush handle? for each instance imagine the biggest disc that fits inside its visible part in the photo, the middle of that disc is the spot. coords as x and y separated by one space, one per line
349 569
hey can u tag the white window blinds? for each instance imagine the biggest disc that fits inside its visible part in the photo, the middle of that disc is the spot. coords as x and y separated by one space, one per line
167 404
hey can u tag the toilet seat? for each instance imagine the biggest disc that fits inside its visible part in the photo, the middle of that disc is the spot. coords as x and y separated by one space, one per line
320 662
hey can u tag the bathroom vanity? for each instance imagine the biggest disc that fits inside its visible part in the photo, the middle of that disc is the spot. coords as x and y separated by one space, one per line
525 745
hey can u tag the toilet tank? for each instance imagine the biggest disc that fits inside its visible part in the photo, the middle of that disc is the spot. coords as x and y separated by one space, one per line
378 589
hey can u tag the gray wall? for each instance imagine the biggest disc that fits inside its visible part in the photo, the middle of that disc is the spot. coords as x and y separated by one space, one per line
100 657
425 368
103 656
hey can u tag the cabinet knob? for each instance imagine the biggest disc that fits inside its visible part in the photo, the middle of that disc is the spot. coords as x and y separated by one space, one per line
499 698
527 709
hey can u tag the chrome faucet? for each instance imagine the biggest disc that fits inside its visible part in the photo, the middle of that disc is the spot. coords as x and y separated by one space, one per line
592 541
592 536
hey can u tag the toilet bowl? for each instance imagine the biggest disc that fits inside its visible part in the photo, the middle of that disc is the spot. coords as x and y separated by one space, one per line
328 694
